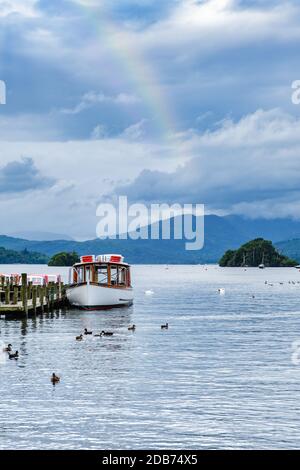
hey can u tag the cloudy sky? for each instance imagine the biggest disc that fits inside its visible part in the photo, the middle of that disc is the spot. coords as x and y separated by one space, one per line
163 101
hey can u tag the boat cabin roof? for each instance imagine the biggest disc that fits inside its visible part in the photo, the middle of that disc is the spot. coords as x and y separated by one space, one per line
101 260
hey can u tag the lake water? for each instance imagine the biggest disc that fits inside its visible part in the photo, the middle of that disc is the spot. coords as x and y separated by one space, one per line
221 377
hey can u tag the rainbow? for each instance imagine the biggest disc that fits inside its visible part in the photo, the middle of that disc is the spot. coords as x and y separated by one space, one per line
133 67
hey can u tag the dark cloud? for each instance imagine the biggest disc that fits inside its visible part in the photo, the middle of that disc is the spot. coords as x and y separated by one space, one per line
20 176
250 162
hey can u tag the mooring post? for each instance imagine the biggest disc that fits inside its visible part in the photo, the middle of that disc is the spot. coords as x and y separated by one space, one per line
7 294
24 293
42 290
29 290
34 296
15 296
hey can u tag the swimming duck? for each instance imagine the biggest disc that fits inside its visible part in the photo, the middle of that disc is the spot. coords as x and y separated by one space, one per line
54 378
165 327
14 356
106 333
79 338
8 348
131 328
86 332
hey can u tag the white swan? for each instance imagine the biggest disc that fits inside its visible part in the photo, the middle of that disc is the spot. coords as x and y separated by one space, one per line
149 292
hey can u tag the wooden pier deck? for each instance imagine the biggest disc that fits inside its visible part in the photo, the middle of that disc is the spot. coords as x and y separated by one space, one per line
22 299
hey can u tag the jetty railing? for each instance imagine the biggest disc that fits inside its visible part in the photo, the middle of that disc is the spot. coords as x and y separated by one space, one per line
20 297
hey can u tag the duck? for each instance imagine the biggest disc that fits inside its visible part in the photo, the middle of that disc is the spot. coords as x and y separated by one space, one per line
14 355
86 332
98 335
79 338
106 333
55 379
131 328
8 348
165 327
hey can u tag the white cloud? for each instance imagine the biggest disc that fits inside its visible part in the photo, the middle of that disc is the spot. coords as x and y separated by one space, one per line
28 127
215 24
84 172
92 98
253 163
22 7
135 131
99 132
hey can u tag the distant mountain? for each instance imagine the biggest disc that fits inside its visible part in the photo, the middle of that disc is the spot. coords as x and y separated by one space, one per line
221 234
290 248
40 236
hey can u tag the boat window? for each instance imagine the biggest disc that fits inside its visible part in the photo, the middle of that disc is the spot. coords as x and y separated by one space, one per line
118 275
80 272
114 275
87 274
122 276
101 274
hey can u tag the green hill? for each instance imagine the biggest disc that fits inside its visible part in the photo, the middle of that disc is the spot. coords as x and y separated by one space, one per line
21 257
254 253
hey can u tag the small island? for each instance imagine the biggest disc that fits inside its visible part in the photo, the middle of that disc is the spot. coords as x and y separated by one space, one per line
258 252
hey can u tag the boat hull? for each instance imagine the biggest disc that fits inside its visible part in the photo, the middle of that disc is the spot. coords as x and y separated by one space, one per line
97 297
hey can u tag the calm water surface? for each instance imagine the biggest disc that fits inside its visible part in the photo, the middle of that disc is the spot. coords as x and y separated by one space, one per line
221 377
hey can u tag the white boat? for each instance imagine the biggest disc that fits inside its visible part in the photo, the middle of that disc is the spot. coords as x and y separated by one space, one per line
100 282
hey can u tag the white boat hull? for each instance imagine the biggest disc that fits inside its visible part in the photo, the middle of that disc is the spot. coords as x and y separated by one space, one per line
91 296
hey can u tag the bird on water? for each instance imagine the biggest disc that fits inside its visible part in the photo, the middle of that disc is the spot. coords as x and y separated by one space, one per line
55 379
14 356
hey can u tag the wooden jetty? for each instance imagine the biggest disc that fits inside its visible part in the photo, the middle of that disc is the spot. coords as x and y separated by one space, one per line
22 299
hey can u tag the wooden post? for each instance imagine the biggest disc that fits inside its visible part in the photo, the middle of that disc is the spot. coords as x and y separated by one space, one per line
34 296
7 294
29 290
42 298
108 274
51 296
16 295
47 298
24 294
